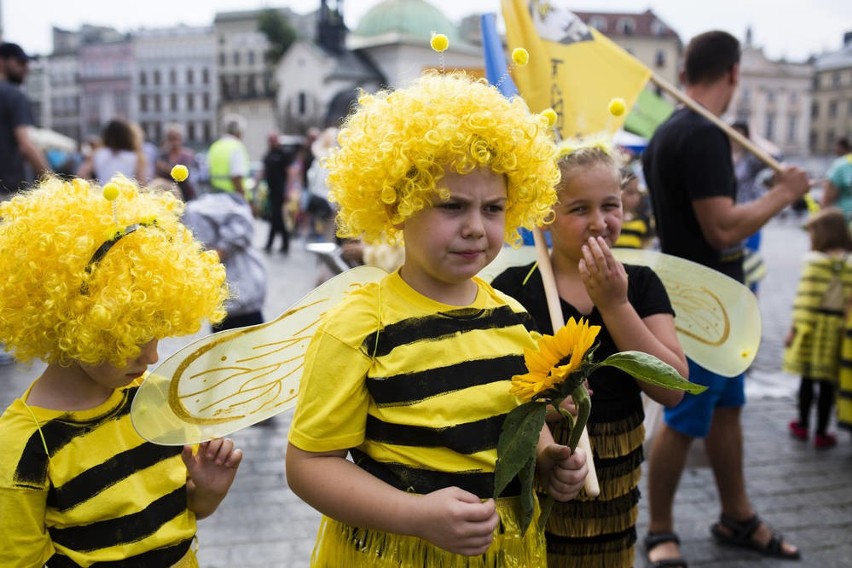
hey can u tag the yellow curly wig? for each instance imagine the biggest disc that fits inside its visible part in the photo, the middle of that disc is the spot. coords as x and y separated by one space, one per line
397 145
153 283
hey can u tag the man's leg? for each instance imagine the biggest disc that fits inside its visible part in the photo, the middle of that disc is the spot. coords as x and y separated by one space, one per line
724 445
665 467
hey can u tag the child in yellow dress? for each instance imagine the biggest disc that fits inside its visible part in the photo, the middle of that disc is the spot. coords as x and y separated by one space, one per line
814 342
89 287
411 376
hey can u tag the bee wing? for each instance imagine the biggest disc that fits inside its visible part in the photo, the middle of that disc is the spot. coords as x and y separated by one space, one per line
717 318
237 377
508 258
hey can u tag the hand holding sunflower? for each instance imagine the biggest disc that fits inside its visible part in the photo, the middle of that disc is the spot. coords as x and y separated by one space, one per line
556 369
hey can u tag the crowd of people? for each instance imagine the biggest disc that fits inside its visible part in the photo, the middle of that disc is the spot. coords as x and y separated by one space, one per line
406 383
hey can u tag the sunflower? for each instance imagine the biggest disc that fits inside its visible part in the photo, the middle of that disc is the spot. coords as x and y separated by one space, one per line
556 357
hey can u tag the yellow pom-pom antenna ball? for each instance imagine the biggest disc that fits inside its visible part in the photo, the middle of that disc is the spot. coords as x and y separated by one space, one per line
617 106
520 56
180 172
440 42
550 115
111 191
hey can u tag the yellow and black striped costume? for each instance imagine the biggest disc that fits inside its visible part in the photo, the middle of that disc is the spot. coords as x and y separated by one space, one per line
635 233
599 532
417 390
818 328
106 496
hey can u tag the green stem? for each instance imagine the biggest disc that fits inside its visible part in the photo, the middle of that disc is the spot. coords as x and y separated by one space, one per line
584 408
546 508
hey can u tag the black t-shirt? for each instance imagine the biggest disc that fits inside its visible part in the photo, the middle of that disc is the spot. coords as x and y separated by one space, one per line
275 165
14 112
689 158
616 394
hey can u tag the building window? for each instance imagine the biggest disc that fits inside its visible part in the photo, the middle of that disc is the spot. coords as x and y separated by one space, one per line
156 77
792 122
660 58
190 77
770 96
832 109
143 78
157 103
598 23
172 77
190 131
236 58
303 103
815 110
251 58
205 101
222 60
207 131
835 79
173 102
658 28
190 102
769 129
794 97
205 76
625 26
143 103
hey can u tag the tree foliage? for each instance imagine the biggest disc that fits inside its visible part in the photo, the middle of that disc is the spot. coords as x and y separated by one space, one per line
278 31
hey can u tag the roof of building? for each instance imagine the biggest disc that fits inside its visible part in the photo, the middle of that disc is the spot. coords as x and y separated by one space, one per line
412 19
644 24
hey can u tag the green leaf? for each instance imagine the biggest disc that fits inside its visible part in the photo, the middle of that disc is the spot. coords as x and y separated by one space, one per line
527 477
517 443
649 369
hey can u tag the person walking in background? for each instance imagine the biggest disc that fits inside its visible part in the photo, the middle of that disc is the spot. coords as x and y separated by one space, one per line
174 153
120 153
16 119
228 158
813 344
838 180
78 485
411 374
224 222
277 164
634 312
690 174
316 204
750 186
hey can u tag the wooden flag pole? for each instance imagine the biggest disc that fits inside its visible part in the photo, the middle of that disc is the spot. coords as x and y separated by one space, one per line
749 145
557 320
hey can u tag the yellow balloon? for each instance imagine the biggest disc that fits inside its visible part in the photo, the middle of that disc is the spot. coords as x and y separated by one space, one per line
235 378
717 318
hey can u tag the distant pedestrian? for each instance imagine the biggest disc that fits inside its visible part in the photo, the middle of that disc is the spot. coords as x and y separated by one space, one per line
277 164
120 153
16 118
173 153
838 183
813 344
228 158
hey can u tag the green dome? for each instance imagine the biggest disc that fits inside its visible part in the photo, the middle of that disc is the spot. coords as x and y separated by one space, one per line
411 18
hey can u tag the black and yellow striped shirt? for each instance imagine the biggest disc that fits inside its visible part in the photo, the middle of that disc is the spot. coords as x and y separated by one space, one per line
92 492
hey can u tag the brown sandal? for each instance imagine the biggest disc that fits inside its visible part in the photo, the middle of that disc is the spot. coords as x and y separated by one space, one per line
651 542
731 532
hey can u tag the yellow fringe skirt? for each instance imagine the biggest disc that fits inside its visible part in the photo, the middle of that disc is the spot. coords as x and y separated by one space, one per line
340 545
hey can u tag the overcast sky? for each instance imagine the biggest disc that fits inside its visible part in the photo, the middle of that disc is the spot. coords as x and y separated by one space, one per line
793 29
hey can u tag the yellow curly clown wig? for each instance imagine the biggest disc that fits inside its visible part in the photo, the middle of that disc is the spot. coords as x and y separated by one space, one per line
83 279
397 145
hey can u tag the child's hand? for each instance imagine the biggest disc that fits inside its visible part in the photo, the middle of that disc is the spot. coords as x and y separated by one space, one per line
457 521
603 276
212 470
561 472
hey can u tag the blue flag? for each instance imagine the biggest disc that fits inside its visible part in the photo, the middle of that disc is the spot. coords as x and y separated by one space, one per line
496 70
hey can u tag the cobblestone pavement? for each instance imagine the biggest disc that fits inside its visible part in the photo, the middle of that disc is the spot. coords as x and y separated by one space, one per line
802 492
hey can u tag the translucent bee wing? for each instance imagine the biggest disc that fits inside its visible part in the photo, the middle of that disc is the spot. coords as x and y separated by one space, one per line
235 378
717 318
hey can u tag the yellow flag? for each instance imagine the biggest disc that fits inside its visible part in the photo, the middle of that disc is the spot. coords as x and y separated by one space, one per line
573 69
